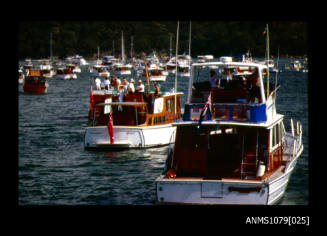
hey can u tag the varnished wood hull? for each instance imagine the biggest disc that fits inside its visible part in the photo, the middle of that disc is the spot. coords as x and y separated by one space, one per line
35 88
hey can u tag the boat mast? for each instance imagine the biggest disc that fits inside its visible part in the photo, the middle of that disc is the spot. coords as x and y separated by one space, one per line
277 68
131 46
189 45
177 35
267 49
113 48
122 47
51 45
98 53
170 49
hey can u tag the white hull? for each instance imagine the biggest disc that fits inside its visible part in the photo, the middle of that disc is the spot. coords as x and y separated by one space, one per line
189 191
95 73
171 71
157 78
183 74
129 136
197 191
77 70
49 75
82 62
125 72
66 77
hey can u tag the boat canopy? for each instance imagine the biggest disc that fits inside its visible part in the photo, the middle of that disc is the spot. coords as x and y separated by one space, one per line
227 63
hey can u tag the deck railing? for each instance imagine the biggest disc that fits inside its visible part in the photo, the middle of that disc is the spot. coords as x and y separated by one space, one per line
250 112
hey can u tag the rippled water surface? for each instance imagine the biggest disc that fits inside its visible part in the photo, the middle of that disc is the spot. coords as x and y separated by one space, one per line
54 168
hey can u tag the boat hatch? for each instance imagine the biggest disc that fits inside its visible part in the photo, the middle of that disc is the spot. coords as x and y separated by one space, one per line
212 190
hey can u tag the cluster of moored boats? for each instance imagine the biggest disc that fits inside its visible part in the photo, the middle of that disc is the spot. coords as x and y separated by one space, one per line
228 145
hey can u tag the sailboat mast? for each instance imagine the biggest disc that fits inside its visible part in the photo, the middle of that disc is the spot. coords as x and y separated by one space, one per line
177 36
170 49
113 47
131 46
189 45
122 47
277 68
51 45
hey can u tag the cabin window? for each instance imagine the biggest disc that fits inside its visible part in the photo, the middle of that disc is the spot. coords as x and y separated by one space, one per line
168 107
107 108
158 105
275 136
223 130
150 121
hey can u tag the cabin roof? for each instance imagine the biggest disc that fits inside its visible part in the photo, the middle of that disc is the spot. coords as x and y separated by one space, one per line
252 64
266 124
122 104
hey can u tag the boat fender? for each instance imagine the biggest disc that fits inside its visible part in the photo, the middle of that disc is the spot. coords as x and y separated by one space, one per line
171 174
261 170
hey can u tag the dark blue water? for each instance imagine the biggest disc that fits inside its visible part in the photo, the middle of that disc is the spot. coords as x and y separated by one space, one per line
54 168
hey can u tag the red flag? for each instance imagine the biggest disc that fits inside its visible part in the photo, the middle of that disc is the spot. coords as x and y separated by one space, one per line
91 97
110 129
204 111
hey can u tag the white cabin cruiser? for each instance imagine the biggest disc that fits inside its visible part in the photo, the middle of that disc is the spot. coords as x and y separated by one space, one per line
65 73
131 120
182 61
237 150
99 70
47 69
79 60
121 69
21 76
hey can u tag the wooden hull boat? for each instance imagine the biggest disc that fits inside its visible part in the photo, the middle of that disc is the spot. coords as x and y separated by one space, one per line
231 189
237 150
35 82
139 121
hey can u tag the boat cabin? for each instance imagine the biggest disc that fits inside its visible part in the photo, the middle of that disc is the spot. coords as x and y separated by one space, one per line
134 109
183 69
240 133
64 71
121 68
239 93
72 66
35 82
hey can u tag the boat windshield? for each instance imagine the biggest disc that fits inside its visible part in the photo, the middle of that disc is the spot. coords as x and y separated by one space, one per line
229 84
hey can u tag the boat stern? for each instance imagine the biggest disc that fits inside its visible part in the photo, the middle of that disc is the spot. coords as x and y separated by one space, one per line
97 137
215 192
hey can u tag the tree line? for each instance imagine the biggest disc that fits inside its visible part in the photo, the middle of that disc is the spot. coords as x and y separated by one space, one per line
37 39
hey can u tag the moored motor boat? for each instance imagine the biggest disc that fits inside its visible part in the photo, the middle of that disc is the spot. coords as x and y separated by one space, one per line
21 76
237 150
35 82
131 120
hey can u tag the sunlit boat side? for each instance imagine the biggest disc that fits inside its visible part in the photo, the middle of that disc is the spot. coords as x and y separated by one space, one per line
240 153
35 82
140 120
